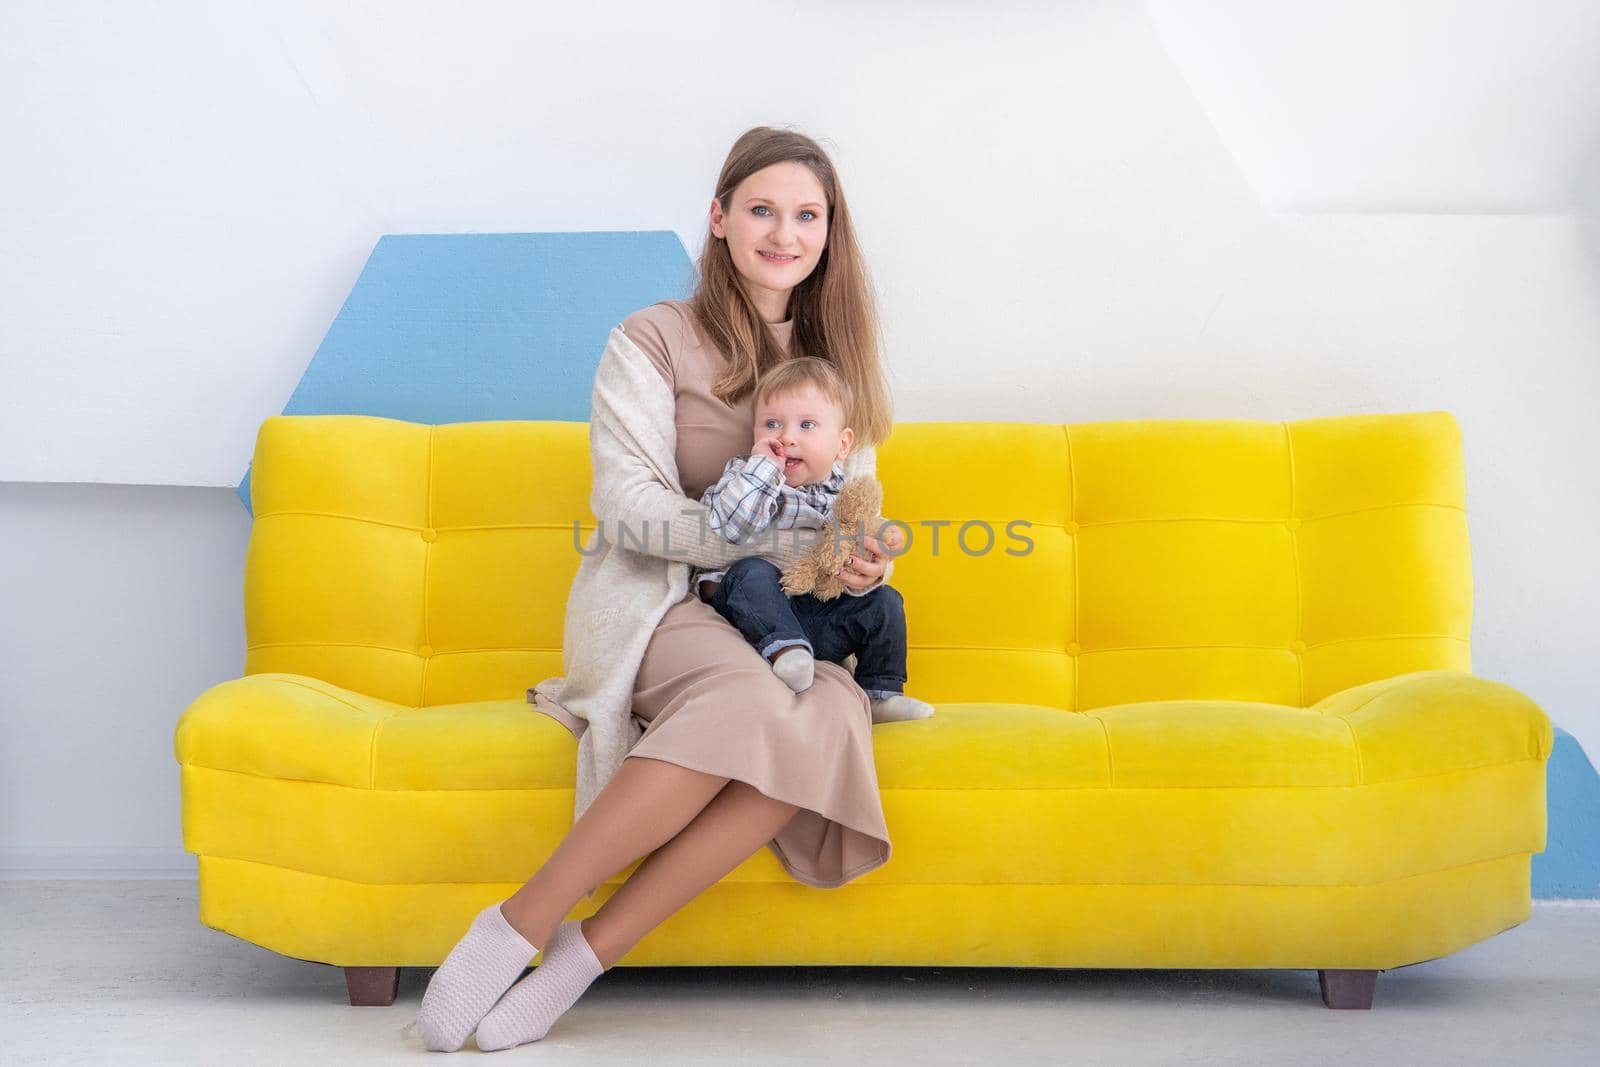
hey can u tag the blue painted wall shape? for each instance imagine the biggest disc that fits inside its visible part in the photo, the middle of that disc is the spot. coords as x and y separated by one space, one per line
461 327
1569 866
466 327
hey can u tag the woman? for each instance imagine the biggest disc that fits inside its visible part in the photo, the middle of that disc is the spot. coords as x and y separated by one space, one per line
730 757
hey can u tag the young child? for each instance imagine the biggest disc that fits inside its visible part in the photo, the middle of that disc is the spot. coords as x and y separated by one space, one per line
790 481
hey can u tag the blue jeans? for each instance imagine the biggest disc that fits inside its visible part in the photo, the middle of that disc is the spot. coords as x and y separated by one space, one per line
872 627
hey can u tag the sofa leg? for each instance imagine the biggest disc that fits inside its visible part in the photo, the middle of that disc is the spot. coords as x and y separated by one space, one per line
372 987
1347 989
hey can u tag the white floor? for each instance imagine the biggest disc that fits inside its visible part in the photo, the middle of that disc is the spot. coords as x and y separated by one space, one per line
123 972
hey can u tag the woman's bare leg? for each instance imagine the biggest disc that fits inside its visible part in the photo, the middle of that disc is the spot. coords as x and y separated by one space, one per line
737 822
642 806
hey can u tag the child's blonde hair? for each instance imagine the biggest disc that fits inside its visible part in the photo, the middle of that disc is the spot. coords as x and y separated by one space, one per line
800 371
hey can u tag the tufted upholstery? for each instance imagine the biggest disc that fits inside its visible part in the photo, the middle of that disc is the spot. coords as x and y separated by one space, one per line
1273 562
1204 700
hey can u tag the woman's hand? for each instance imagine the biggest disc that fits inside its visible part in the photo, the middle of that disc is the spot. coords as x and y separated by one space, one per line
862 569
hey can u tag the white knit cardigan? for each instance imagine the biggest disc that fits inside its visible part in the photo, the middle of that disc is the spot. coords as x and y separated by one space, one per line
620 593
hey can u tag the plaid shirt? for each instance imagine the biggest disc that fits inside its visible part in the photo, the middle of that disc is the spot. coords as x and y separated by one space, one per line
751 495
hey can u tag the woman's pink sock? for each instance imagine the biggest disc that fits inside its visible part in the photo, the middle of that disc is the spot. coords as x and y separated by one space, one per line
487 959
528 1010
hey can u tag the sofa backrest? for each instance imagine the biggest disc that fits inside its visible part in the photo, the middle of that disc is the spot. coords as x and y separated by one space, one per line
1075 565
1180 559
421 564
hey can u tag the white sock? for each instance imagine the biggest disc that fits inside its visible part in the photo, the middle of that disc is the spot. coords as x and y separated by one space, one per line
487 959
899 708
796 667
527 1012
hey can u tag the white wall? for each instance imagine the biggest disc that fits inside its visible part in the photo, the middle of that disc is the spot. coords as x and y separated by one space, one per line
1088 208
1417 105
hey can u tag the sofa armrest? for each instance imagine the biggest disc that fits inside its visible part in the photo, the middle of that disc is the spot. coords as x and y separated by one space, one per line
276 725
1433 722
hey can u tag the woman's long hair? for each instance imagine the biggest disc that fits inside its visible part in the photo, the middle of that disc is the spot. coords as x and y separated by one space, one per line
835 315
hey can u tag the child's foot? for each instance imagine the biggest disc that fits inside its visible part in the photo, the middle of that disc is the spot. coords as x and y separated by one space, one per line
796 666
899 708
487 959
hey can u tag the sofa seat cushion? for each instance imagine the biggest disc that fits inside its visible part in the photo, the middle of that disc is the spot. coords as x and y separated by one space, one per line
1414 773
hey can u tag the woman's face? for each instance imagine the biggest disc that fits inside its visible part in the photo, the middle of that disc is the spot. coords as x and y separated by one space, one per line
775 226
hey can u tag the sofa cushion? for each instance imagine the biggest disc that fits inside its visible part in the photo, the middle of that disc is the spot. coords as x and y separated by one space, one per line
1413 773
1426 722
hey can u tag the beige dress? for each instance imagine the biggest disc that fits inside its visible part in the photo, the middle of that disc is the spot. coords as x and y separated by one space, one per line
709 701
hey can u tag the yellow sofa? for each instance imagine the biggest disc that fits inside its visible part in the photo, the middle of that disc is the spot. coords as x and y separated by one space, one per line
1203 688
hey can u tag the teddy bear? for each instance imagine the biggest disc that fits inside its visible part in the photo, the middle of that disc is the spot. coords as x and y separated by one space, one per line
856 509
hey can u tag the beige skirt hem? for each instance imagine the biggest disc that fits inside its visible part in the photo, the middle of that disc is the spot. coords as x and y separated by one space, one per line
797 873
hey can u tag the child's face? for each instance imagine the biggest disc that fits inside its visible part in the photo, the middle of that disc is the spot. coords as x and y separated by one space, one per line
809 429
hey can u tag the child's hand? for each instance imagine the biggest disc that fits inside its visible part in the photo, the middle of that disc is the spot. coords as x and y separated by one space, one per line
770 447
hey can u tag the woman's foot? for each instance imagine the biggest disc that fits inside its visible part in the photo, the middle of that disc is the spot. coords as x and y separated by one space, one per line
487 959
532 1006
796 666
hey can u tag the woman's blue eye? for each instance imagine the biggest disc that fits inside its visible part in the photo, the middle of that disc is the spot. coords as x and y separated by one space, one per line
763 207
